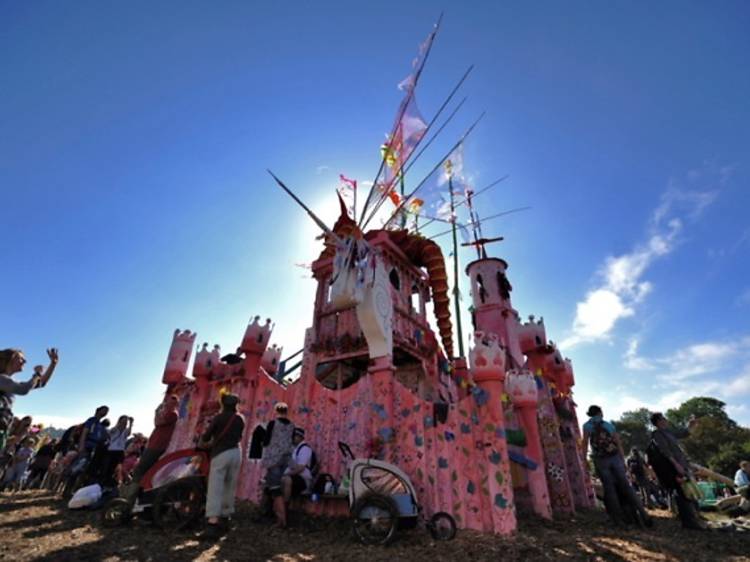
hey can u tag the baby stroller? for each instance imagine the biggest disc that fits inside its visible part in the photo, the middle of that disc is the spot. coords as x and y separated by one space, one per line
382 499
172 492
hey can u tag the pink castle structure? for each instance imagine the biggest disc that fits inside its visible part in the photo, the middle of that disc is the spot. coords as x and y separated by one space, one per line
487 442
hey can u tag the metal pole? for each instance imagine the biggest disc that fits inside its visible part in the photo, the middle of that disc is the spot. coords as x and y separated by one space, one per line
455 271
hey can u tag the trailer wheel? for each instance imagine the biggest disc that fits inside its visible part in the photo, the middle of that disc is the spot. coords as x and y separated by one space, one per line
442 526
116 513
375 519
179 504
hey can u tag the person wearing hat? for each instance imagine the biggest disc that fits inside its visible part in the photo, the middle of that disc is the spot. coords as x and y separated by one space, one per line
298 475
277 453
609 461
222 439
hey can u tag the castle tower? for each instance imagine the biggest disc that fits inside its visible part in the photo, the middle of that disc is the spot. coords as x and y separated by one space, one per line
271 358
255 342
179 357
487 359
532 339
522 389
493 311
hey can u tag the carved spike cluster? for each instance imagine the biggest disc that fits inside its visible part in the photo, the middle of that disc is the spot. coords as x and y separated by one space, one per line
520 385
487 357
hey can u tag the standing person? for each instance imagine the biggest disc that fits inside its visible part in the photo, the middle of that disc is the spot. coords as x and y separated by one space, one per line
15 473
672 468
11 362
742 476
298 475
637 469
115 454
223 436
609 461
165 420
277 451
94 432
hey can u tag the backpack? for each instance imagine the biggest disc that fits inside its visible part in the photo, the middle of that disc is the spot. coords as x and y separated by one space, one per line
602 442
312 466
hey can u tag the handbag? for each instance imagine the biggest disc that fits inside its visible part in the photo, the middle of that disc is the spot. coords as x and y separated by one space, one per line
208 445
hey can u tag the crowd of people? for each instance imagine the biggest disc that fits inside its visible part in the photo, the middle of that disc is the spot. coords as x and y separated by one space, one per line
116 459
661 476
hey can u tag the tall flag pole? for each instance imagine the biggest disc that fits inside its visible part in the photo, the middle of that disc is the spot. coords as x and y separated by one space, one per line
475 226
409 159
309 212
463 201
409 197
409 84
456 296
516 210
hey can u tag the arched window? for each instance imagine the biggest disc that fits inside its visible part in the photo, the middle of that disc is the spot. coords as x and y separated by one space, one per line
395 281
503 285
414 299
482 290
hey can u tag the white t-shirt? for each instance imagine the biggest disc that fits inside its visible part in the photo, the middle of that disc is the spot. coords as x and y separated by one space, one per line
302 456
117 439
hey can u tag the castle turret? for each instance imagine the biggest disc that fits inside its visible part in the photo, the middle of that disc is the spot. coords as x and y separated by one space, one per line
270 360
522 389
179 357
255 342
493 311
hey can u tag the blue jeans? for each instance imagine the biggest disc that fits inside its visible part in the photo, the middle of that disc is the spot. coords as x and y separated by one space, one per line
611 471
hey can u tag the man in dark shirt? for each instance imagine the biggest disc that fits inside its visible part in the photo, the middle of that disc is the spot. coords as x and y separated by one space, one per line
94 433
673 468
224 435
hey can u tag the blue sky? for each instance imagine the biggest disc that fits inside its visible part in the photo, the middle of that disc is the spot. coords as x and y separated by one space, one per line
134 141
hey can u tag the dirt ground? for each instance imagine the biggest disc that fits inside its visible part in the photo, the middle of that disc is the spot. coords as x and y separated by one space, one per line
37 526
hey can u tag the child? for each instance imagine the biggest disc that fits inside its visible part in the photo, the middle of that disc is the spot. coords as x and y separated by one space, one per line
15 474
132 454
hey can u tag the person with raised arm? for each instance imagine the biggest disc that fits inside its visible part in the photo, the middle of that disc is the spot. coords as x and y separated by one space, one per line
11 362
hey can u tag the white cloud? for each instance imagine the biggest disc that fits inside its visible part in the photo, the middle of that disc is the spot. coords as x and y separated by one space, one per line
710 368
702 358
633 360
740 386
621 285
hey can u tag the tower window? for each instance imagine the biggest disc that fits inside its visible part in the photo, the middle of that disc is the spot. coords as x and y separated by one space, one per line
503 285
482 290
395 281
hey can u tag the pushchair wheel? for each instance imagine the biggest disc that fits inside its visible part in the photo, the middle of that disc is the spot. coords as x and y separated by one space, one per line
375 519
116 513
442 526
179 504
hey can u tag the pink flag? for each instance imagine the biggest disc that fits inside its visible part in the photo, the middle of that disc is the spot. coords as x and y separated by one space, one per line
348 191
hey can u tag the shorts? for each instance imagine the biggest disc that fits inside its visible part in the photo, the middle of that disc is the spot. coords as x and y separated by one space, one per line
299 485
